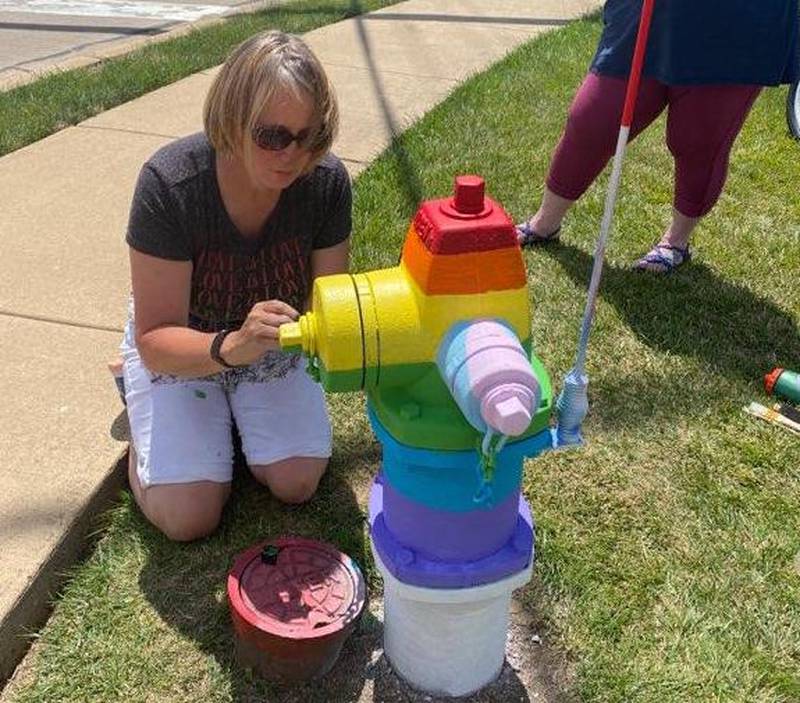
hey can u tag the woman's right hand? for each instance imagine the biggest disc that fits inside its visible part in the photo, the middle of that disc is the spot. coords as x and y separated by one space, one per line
258 334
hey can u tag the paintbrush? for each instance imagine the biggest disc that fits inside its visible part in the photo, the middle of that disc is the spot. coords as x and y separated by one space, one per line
788 411
770 415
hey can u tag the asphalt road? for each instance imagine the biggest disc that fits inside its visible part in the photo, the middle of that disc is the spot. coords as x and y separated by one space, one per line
36 35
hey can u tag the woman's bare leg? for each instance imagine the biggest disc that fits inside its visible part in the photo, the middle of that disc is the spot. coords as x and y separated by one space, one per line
182 511
292 480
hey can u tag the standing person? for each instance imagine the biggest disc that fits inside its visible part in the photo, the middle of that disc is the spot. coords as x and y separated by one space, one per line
705 64
227 230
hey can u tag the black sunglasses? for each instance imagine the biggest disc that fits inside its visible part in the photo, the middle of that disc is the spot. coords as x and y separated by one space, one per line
276 137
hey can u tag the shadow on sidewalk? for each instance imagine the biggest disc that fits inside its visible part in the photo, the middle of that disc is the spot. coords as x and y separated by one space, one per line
408 176
120 429
408 173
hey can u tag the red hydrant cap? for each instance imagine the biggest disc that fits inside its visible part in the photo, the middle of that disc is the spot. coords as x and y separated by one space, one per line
771 379
468 221
468 196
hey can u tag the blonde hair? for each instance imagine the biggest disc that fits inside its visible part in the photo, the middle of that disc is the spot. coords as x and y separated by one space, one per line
256 71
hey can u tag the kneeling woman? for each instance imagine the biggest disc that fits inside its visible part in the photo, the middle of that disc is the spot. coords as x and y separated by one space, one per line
228 228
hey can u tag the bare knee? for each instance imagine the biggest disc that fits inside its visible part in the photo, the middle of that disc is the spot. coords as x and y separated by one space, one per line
182 511
187 526
292 481
296 492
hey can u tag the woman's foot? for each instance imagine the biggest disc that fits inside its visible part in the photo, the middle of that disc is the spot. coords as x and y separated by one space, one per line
545 225
663 258
672 250
529 237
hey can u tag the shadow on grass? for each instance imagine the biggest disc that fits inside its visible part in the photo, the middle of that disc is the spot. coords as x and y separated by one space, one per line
693 313
186 583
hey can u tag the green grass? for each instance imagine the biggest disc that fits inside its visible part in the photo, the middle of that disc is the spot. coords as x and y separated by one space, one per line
668 548
33 111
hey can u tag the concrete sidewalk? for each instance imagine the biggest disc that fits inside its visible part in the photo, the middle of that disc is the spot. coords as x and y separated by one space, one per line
64 270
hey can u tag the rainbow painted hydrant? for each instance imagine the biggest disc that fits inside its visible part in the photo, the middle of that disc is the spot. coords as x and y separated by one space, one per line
441 345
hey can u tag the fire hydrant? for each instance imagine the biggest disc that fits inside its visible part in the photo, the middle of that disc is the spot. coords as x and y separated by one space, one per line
441 345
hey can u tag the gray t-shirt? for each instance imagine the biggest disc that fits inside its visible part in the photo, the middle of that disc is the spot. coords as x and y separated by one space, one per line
178 214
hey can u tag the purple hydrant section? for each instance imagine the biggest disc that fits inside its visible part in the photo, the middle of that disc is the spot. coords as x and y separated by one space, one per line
420 568
459 536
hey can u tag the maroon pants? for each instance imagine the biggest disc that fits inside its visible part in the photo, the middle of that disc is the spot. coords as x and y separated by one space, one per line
702 124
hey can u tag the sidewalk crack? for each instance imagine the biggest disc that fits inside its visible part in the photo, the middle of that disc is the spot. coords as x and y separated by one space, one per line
59 321
105 128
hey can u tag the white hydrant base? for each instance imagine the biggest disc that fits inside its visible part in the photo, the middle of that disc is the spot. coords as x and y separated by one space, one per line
447 641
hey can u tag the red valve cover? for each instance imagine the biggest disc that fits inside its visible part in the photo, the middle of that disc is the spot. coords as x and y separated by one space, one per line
294 602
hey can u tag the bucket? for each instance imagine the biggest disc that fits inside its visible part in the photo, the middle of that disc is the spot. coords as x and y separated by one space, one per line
293 602
447 641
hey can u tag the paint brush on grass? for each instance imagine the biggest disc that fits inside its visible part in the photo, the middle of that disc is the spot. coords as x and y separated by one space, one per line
788 410
770 415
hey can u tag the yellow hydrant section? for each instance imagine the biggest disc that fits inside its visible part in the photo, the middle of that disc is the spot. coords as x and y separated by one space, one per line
401 325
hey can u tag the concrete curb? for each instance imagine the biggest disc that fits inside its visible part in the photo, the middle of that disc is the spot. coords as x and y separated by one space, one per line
33 607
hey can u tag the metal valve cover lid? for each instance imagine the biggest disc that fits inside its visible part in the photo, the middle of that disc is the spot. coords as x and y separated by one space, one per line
296 588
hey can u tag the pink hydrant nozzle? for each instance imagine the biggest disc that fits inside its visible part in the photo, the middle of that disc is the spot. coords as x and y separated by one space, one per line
513 417
508 410
490 376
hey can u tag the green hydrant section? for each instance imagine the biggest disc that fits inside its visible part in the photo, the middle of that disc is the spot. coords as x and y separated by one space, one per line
416 407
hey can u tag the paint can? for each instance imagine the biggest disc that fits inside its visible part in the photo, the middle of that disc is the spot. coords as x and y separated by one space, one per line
783 384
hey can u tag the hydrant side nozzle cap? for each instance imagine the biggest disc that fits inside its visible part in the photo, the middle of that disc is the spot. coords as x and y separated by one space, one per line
290 336
509 409
468 194
513 418
771 379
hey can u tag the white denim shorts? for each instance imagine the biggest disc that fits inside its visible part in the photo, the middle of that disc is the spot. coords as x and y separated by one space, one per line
181 428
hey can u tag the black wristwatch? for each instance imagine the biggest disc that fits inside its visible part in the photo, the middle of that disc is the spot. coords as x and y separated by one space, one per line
216 345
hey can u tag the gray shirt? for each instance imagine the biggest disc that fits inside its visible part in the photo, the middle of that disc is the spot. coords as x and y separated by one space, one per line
177 213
